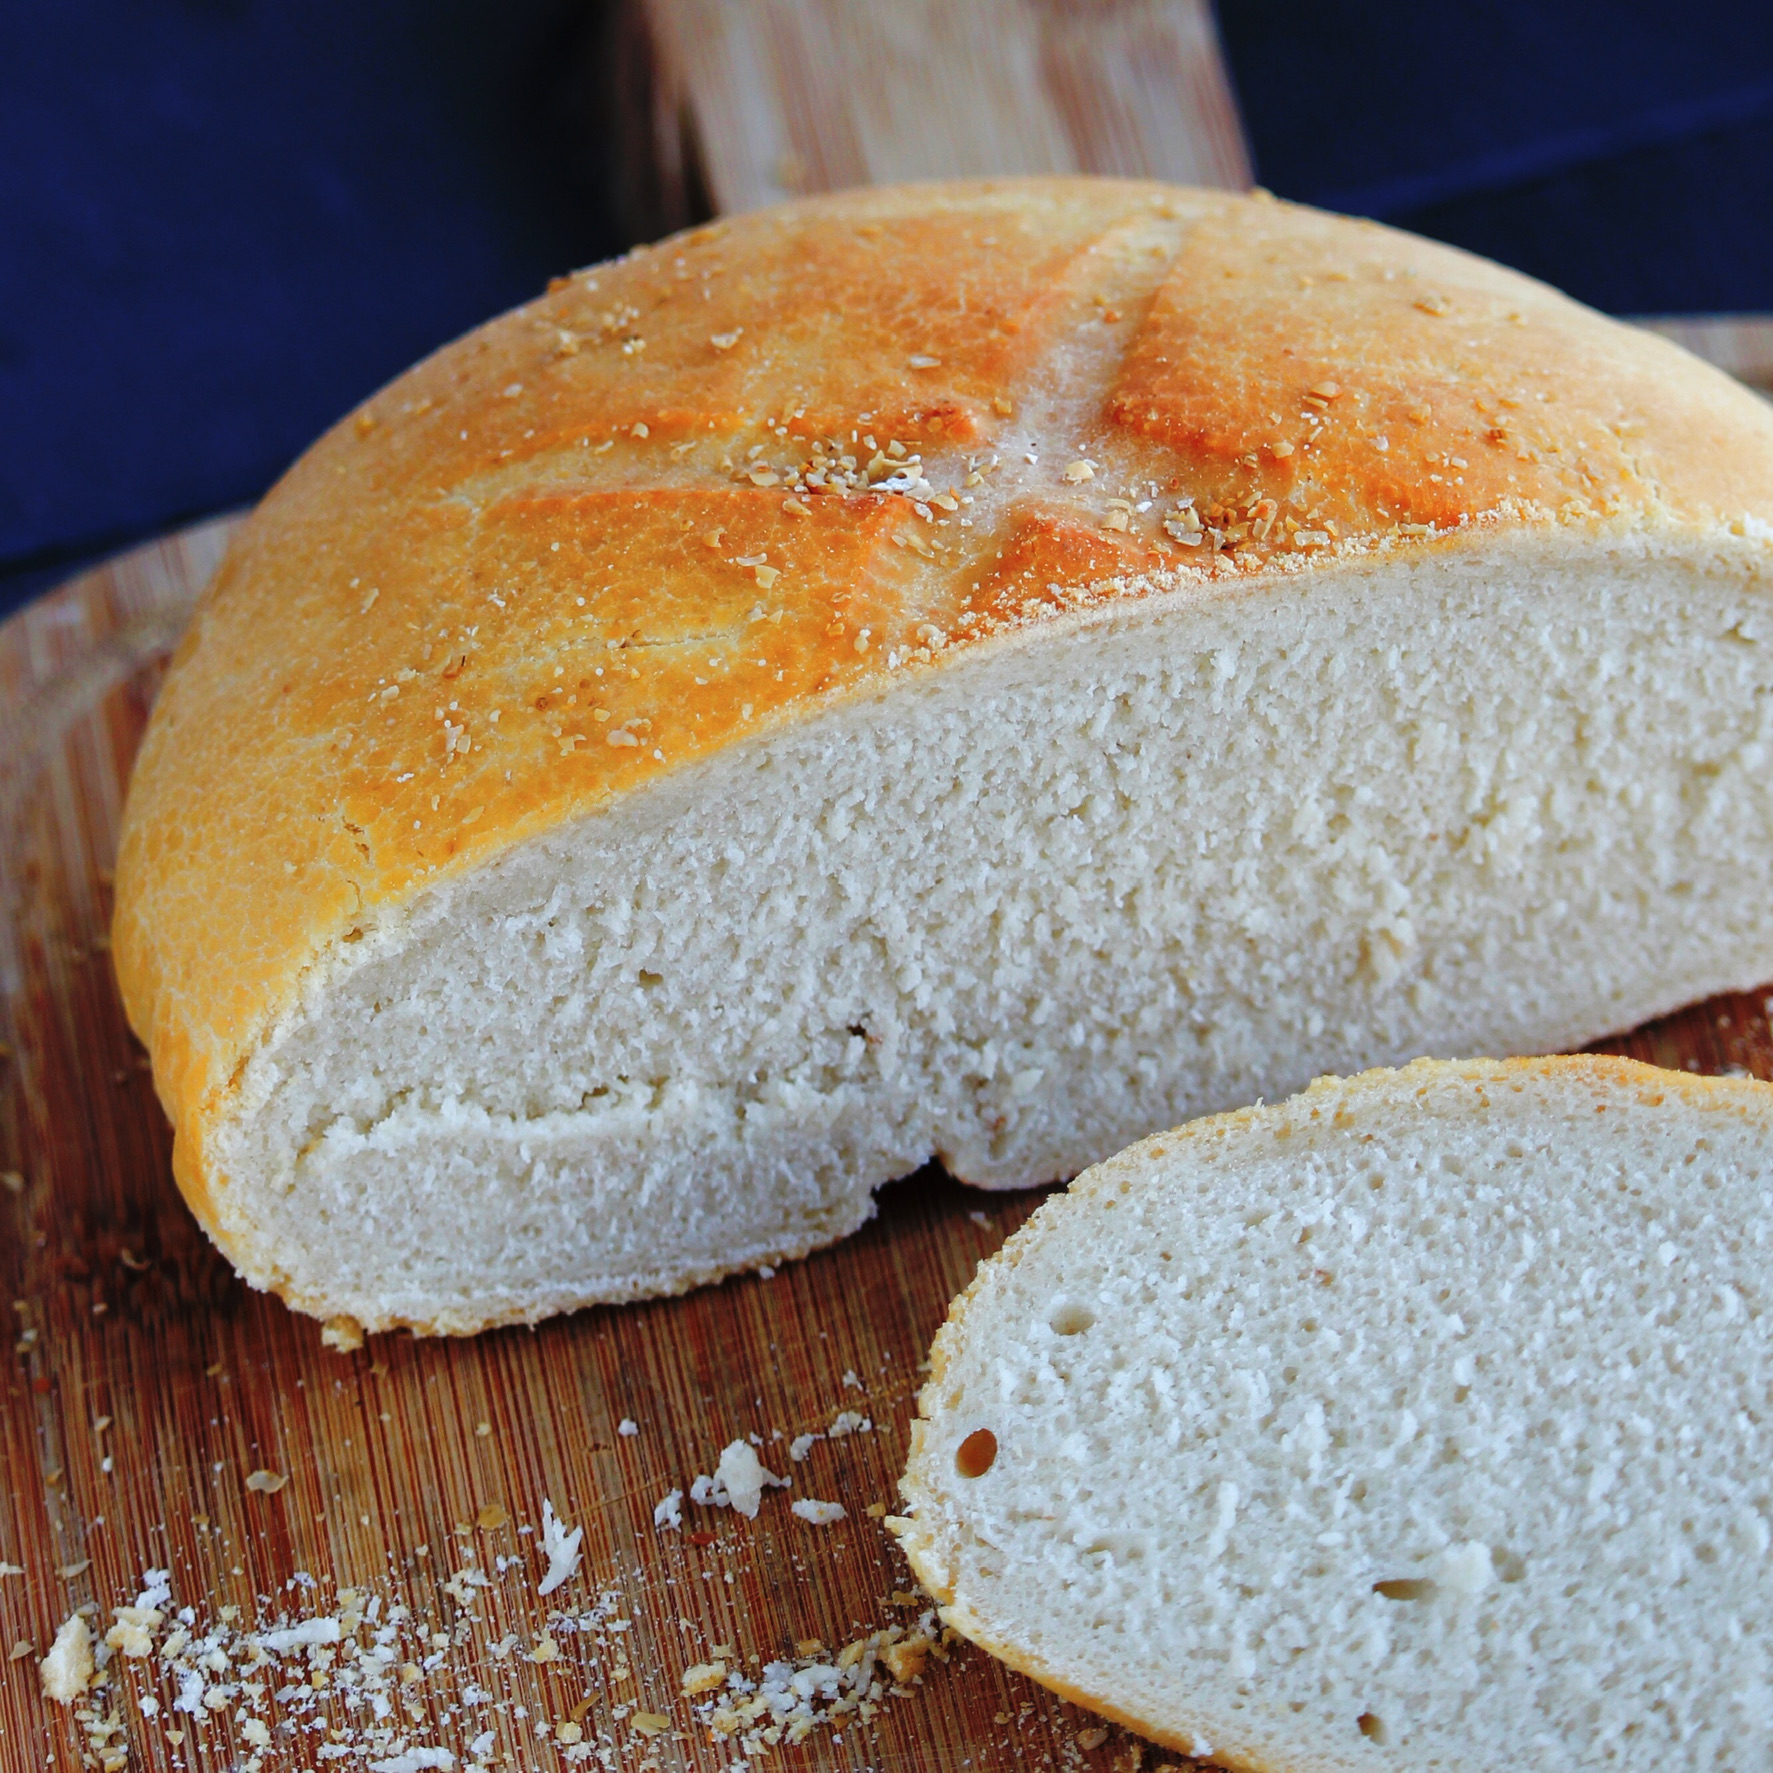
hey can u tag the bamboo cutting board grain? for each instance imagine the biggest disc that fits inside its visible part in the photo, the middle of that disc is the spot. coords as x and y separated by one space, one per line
409 1472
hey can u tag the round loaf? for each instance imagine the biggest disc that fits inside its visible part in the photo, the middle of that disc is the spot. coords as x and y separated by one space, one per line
978 670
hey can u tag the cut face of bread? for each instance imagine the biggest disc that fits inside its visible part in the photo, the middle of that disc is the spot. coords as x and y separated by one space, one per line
979 671
1014 916
1420 1421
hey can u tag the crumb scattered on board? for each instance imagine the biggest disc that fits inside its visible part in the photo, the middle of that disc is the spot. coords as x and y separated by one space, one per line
362 1677
560 1547
366 1680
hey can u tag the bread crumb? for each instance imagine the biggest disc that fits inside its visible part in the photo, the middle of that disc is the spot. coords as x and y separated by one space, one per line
560 1547
649 1723
133 1632
789 1700
303 1635
742 1477
907 1659
266 1483
819 1514
628 1426
68 1667
703 1677
668 1510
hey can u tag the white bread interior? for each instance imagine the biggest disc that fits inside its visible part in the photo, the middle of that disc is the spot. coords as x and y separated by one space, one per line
1497 793
1418 1422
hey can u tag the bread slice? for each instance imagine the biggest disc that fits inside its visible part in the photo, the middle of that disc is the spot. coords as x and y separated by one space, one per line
1420 1421
980 671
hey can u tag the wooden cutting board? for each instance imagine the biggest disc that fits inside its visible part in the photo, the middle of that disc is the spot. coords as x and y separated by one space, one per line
408 1463
757 100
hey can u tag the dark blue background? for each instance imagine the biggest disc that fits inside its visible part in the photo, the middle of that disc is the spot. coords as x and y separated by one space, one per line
1621 149
224 221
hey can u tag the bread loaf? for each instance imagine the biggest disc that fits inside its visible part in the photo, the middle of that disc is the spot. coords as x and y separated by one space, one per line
979 671
1417 1422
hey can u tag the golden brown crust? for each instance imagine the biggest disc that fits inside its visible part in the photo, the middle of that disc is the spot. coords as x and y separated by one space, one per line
580 548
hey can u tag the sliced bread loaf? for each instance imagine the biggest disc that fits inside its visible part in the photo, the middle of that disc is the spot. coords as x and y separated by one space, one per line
1422 1421
981 671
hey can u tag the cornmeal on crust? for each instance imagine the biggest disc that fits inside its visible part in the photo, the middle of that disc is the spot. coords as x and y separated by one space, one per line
979 670
1411 1423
